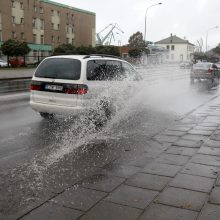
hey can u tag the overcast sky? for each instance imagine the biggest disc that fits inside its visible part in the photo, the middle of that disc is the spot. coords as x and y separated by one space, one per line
185 18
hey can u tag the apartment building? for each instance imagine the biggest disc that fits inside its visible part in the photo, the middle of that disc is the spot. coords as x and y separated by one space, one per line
45 24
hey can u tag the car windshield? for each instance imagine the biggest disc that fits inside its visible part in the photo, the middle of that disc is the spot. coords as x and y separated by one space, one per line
59 68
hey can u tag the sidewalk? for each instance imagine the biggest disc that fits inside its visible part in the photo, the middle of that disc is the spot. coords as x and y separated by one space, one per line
175 177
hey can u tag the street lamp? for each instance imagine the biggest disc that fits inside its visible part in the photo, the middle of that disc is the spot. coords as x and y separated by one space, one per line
146 18
207 36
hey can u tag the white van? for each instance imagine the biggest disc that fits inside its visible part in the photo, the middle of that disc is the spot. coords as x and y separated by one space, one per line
71 84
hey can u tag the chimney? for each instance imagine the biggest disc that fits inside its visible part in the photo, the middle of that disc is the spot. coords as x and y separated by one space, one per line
171 37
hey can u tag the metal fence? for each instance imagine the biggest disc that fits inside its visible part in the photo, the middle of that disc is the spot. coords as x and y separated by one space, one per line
33 60
24 60
15 85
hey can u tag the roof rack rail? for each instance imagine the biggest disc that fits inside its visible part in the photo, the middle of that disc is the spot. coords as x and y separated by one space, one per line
101 55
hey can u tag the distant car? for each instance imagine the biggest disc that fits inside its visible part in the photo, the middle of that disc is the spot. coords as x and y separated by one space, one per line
3 63
16 62
204 71
185 65
218 65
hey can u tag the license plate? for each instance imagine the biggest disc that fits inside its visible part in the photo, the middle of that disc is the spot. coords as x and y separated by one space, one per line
54 87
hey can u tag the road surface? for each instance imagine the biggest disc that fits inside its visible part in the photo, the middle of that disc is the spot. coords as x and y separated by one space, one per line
39 158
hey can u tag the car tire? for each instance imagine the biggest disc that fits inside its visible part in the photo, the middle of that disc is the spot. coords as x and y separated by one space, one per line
209 84
46 115
96 117
108 109
102 114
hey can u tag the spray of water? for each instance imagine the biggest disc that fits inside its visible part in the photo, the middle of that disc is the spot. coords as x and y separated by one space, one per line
156 90
125 96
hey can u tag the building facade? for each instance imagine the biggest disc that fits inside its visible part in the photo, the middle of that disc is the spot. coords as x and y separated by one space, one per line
178 50
45 24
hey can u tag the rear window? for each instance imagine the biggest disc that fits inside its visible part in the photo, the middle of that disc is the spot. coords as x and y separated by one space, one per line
201 65
104 70
59 68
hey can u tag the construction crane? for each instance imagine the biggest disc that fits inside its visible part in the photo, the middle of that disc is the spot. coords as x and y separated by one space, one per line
107 38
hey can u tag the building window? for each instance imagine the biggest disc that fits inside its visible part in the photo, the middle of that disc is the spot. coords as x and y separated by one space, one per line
35 8
33 22
1 36
58 13
22 20
42 39
58 26
41 10
58 39
21 5
52 25
67 40
67 28
41 24
72 16
72 41
13 19
168 47
13 4
22 35
172 47
34 38
189 48
167 56
72 30
14 35
52 12
67 15
52 39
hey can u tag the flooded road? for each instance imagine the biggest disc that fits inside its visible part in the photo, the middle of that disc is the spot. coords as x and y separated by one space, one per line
39 158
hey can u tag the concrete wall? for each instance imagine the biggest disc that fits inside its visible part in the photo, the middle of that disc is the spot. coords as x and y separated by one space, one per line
181 52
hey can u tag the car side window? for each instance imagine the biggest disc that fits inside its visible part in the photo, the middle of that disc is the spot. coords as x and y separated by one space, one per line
127 69
95 69
103 70
130 72
214 66
114 69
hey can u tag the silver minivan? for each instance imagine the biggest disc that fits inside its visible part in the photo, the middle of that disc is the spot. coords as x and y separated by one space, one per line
72 84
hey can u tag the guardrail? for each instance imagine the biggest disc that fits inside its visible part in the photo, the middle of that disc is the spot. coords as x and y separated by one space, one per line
15 84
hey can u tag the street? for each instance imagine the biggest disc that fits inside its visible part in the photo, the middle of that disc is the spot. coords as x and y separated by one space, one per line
40 158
